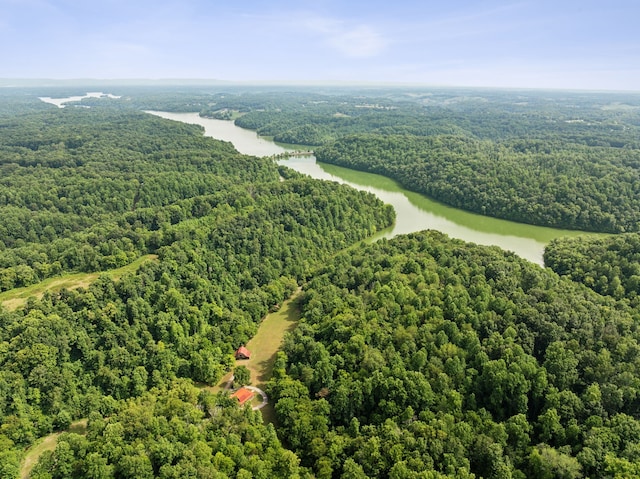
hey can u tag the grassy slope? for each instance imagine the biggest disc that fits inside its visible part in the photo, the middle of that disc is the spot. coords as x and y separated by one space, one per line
48 443
15 298
266 343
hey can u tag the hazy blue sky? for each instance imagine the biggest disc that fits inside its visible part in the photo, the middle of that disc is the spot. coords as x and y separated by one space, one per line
531 43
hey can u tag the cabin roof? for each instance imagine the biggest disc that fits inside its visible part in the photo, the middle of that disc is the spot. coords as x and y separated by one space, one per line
242 395
243 352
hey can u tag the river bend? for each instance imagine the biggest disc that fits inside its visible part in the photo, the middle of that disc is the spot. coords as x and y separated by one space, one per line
414 212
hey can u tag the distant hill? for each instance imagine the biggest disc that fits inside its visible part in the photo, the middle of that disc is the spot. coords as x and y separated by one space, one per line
97 82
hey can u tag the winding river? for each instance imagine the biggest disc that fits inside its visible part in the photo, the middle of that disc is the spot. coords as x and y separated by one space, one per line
414 212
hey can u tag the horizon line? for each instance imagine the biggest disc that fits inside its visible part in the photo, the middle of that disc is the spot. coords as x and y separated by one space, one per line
15 82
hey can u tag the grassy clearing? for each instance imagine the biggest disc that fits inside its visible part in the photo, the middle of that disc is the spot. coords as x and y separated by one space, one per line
15 298
266 343
47 443
263 347
79 427
256 400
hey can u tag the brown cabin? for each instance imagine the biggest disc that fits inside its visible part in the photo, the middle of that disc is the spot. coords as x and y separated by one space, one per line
243 395
243 353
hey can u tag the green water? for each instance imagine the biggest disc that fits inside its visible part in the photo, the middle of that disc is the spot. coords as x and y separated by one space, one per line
414 212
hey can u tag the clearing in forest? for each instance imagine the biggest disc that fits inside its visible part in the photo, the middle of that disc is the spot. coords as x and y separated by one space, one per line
17 297
47 443
265 344
264 347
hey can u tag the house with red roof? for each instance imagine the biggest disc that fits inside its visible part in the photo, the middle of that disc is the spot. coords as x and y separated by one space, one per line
243 395
242 353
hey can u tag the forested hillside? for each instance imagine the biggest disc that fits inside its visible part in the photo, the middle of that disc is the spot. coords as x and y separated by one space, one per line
567 160
530 181
427 354
176 432
419 356
312 117
233 238
93 188
609 265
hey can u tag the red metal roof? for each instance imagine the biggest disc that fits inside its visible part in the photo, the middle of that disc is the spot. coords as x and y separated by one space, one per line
242 353
242 395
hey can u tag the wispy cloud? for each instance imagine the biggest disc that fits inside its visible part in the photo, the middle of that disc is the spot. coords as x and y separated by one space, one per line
361 41
351 40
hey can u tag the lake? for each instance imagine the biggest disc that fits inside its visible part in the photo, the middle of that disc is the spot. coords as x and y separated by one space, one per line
61 102
414 212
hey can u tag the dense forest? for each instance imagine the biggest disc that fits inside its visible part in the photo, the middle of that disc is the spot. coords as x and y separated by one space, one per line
593 119
419 356
233 236
529 181
97 188
609 265
176 432
567 160
428 354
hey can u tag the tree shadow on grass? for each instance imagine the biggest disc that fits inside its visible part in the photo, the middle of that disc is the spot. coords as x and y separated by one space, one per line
289 314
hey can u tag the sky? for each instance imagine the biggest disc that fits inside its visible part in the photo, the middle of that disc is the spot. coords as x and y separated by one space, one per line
565 44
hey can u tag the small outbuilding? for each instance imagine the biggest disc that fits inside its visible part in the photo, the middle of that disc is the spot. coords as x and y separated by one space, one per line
243 395
242 353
